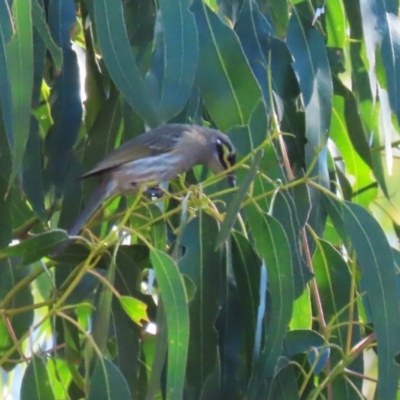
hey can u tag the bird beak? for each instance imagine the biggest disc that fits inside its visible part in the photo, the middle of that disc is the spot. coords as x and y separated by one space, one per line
232 180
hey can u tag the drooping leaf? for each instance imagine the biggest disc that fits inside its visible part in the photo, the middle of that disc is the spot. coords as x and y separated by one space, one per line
203 265
121 64
35 383
234 205
16 326
312 70
66 107
20 56
272 245
180 56
36 247
334 286
107 382
375 259
39 23
227 84
6 31
246 266
177 313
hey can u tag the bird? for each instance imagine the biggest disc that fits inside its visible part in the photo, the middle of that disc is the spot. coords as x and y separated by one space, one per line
156 156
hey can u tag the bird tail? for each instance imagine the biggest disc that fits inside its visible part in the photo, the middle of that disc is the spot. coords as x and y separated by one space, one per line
99 194
102 191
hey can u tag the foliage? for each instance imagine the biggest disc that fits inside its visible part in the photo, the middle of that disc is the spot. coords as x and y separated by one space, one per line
276 289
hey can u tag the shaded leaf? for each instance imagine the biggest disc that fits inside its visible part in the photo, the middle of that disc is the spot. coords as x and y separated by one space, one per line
20 56
272 245
66 107
375 259
235 204
107 383
18 325
180 56
36 383
246 266
203 265
6 31
39 23
121 64
36 247
176 309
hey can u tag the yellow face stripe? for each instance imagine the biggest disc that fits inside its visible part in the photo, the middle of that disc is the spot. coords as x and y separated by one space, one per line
226 152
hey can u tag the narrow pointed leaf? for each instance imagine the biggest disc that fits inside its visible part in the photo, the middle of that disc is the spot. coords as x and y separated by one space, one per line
39 23
227 84
175 302
34 248
36 383
234 205
180 56
6 31
375 259
20 56
121 64
203 265
107 383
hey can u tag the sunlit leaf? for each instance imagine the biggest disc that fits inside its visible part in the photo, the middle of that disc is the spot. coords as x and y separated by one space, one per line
134 308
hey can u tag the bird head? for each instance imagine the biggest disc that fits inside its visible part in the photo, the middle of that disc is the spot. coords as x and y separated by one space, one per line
222 155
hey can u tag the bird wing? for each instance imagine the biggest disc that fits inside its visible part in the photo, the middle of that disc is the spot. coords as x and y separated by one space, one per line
157 141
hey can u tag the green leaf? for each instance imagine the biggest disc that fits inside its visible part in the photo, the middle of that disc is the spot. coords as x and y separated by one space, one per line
236 202
31 179
256 38
135 309
280 15
313 73
334 287
36 247
375 259
20 56
180 56
246 266
104 131
39 23
5 215
11 275
285 211
314 76
66 105
284 385
335 24
302 311
120 62
352 146
36 382
203 265
128 336
272 245
6 31
301 340
175 302
107 383
227 85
